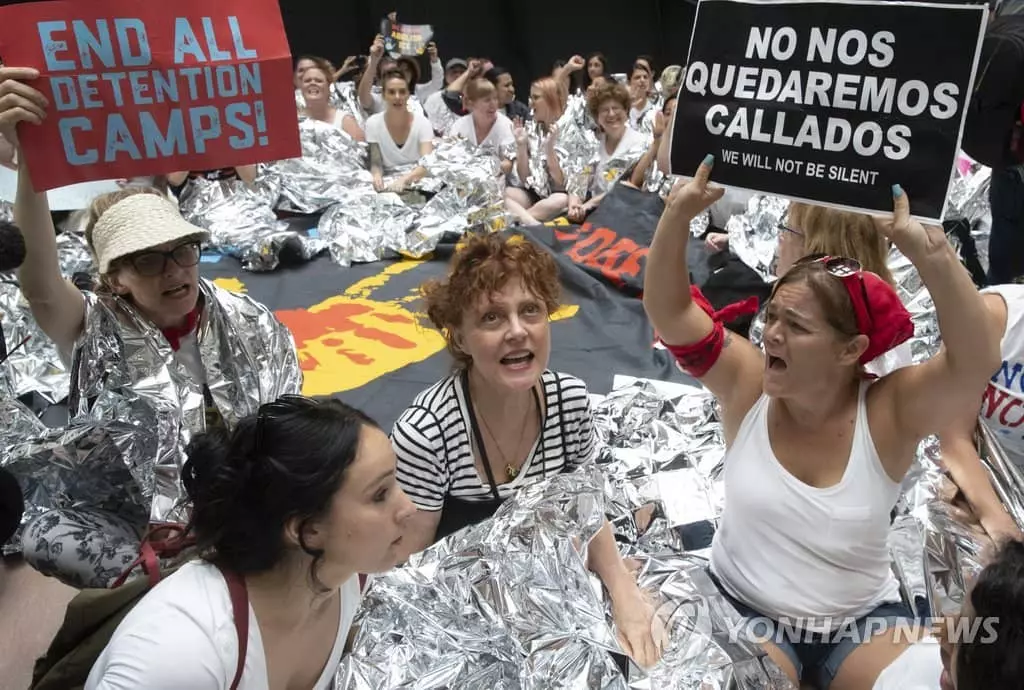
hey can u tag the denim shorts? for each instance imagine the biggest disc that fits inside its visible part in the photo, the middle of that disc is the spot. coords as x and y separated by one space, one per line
816 656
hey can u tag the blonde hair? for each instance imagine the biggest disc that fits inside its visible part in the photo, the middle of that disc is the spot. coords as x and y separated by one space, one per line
554 94
479 88
842 233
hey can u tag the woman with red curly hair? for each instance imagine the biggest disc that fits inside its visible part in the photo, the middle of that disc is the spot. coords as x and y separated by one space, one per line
502 419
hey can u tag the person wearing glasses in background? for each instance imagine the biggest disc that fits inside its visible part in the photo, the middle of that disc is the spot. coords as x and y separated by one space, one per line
288 510
153 335
816 447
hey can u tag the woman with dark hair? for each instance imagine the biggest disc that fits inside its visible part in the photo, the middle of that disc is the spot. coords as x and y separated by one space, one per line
385 130
288 509
506 90
503 420
816 447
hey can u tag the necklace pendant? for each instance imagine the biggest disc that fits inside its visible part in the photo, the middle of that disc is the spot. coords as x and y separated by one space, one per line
511 471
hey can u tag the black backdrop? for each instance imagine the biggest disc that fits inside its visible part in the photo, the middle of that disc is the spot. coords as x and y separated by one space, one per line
524 36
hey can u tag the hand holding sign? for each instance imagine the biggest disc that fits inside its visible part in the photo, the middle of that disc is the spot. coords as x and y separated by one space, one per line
689 198
914 240
143 89
19 102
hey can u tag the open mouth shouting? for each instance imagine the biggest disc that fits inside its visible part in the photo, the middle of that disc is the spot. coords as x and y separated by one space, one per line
777 364
518 360
177 292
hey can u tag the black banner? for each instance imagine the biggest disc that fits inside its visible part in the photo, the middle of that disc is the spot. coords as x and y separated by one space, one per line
361 333
829 102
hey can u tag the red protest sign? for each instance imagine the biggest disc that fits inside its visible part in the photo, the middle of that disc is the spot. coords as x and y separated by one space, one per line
148 88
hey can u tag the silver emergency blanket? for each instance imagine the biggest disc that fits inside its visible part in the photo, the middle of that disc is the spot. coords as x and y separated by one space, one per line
509 603
129 389
754 235
597 178
242 223
17 425
6 211
503 603
331 166
33 363
371 226
74 255
967 200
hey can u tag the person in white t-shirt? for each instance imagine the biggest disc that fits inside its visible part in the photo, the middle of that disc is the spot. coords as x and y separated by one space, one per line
620 147
396 124
1002 411
288 510
485 126
316 90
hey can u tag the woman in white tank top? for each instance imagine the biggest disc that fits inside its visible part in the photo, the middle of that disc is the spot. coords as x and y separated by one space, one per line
1002 411
816 450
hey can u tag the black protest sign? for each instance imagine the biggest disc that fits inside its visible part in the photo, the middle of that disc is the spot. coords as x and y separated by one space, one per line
829 102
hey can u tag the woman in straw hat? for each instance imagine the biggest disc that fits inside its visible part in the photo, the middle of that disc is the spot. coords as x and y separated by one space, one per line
154 346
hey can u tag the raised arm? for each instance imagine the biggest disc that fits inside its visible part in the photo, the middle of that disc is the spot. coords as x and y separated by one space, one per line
365 91
731 367
57 305
928 398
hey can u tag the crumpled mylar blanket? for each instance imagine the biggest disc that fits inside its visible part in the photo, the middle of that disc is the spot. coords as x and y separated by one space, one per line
597 178
509 603
371 226
331 166
242 223
968 200
35 366
17 425
133 406
74 255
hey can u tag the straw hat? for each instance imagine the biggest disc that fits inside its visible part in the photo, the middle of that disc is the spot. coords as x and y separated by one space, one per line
136 223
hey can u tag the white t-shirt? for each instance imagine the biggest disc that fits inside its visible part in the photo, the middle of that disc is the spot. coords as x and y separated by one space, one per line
182 635
393 155
1002 408
918 668
500 135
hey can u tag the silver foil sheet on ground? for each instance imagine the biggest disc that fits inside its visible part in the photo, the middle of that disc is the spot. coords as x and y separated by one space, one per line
128 387
35 365
968 200
331 165
509 602
242 223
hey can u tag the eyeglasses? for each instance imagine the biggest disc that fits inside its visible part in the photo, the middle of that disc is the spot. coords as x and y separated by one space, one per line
847 270
783 228
153 263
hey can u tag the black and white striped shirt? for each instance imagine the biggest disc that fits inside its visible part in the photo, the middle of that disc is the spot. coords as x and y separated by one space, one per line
435 456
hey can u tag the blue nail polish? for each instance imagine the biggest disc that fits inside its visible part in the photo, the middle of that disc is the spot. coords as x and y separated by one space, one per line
897 191
709 159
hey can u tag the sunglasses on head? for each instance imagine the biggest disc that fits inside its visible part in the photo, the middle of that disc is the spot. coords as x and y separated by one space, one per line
847 270
152 263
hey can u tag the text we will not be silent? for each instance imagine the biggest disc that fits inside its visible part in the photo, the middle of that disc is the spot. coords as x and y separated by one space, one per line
113 73
790 166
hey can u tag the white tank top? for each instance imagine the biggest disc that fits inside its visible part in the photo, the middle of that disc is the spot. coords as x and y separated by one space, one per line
1002 408
793 552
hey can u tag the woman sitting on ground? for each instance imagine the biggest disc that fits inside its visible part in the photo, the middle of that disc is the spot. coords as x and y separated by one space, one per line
288 510
642 107
816 449
620 148
316 90
503 420
485 126
153 338
397 124
541 195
